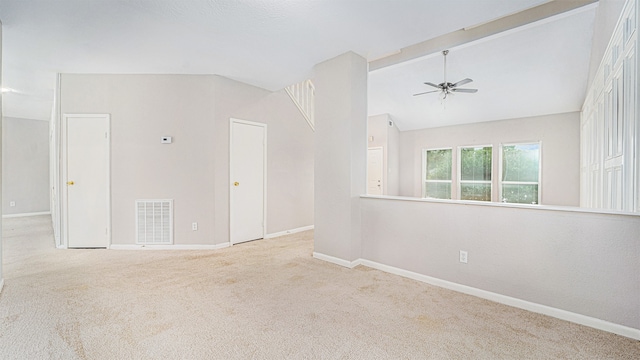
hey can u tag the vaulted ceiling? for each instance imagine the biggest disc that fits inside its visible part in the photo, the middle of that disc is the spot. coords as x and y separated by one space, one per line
540 68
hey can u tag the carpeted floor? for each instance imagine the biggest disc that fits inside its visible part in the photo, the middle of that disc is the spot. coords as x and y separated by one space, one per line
267 299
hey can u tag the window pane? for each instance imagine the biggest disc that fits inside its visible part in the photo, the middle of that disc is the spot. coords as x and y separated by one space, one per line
480 192
522 194
439 164
437 190
475 163
521 162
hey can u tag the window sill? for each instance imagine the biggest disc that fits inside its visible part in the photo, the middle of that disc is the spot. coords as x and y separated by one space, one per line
500 204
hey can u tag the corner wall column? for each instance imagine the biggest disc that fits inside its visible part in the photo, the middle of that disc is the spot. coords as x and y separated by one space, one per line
1 116
340 156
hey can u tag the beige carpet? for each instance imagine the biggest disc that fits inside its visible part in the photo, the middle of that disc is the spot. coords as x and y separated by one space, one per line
267 299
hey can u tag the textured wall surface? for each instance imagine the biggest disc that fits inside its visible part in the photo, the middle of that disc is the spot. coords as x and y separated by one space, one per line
340 154
559 134
193 170
25 166
583 262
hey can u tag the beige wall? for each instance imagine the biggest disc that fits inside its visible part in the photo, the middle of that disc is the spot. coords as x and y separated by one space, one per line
583 262
340 154
1 278
290 162
559 134
380 134
25 165
193 170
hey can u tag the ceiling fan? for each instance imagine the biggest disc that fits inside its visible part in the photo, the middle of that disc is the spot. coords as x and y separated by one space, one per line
445 87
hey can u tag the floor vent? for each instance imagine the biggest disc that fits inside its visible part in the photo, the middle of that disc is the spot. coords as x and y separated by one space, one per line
154 222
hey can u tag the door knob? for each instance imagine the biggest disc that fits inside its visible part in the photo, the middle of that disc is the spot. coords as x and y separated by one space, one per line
70 182
236 183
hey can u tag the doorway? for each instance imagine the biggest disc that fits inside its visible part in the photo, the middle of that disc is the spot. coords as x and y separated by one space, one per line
86 181
375 171
248 175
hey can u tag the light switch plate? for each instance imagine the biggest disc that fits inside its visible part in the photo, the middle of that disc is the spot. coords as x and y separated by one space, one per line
166 140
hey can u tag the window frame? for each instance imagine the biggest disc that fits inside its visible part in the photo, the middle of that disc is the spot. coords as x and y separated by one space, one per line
459 168
500 171
424 180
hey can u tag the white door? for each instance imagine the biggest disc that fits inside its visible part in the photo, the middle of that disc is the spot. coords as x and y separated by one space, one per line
375 171
87 181
247 193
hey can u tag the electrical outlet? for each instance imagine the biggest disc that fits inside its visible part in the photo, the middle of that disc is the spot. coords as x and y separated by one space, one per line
12 203
194 226
463 256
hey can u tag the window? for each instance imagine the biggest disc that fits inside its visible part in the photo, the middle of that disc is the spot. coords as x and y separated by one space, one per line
475 173
437 174
520 180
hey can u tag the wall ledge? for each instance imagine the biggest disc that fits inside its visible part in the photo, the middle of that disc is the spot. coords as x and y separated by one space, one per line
495 297
503 205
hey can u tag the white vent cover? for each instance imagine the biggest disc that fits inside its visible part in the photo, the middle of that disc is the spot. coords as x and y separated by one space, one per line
154 221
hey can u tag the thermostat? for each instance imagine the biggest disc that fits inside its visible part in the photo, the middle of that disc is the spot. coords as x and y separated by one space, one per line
166 140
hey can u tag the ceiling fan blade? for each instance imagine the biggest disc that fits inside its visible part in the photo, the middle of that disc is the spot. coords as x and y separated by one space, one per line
426 92
434 85
465 90
462 82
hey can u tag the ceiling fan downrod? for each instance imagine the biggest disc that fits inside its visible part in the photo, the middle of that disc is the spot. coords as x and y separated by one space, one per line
445 53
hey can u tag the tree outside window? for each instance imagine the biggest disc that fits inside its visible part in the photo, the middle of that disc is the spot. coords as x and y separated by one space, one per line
437 178
475 173
520 181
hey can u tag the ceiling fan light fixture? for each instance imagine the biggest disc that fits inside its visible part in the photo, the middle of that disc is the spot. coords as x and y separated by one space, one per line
445 87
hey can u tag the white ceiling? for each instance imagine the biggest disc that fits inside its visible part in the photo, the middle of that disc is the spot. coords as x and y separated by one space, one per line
274 43
538 69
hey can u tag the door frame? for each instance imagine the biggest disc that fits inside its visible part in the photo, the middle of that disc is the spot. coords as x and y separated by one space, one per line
383 170
264 178
64 218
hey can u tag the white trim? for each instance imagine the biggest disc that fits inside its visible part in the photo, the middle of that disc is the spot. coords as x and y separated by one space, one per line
55 162
1 284
168 247
507 300
7 216
63 187
264 181
488 295
287 232
337 261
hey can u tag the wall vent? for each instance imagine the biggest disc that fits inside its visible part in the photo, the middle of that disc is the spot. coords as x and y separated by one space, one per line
154 222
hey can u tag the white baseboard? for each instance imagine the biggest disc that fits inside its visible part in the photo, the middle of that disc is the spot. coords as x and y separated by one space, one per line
499 298
337 261
8 216
167 247
287 232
